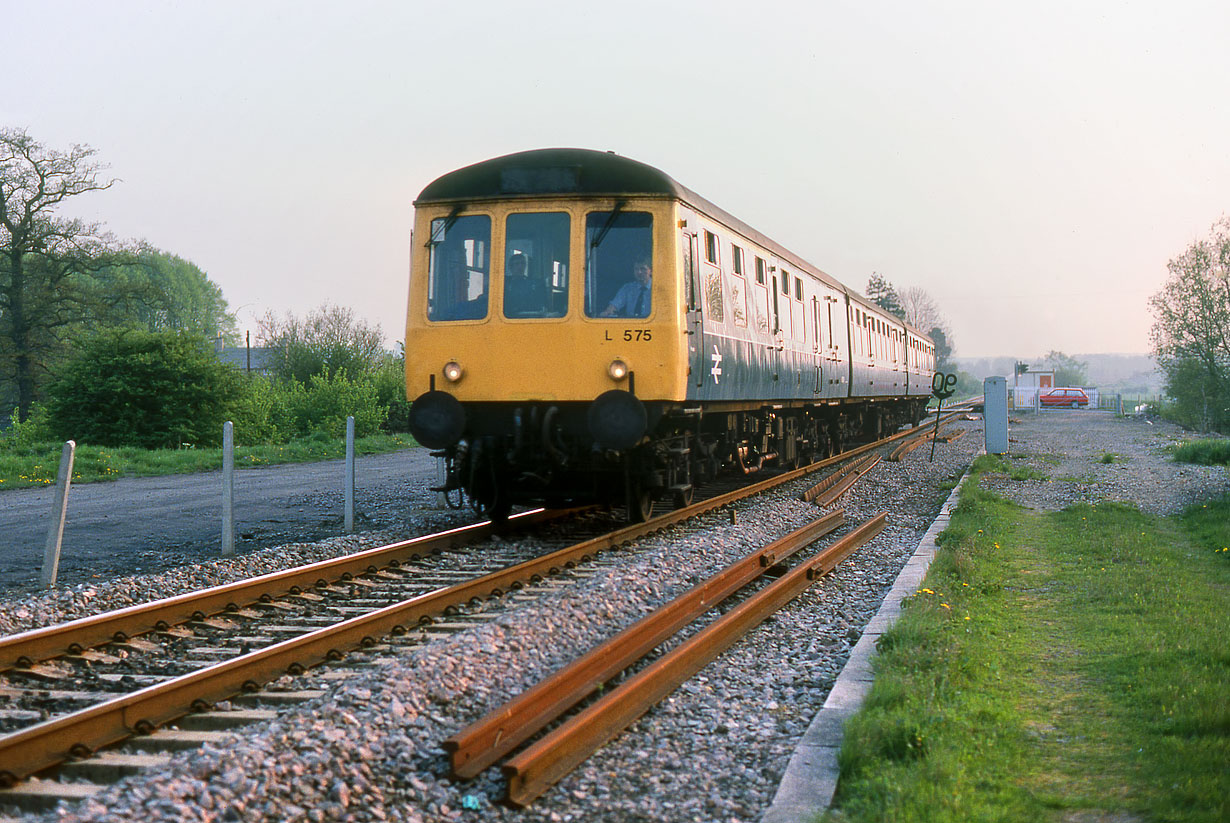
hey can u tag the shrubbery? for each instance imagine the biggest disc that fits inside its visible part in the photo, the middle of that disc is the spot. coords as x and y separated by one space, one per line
135 388
169 390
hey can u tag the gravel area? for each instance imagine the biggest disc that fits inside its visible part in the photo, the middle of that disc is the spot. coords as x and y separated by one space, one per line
1065 450
713 751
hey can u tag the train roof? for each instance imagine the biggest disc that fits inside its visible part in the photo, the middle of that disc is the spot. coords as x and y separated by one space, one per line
547 172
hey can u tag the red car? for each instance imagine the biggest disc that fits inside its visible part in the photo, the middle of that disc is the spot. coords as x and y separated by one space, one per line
1075 398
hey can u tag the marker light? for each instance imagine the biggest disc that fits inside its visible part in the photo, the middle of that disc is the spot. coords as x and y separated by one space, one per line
618 370
452 371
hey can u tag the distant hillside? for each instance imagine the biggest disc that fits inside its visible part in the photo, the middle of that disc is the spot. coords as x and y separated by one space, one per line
1127 373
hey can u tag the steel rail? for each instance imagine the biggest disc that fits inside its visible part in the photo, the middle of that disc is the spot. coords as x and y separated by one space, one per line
27 648
482 743
47 744
36 748
540 766
833 479
831 495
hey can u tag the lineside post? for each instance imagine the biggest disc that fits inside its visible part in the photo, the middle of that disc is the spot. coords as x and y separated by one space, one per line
349 510
59 510
228 488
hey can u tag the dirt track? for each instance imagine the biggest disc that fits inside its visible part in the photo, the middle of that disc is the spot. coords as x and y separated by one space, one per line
152 523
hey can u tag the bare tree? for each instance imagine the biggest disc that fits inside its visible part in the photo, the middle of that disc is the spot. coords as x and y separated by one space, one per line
45 260
330 339
920 308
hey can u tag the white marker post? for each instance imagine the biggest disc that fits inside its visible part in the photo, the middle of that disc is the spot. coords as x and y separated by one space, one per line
349 512
228 488
59 509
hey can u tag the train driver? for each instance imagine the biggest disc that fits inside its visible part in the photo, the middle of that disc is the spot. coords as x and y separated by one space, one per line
523 297
633 297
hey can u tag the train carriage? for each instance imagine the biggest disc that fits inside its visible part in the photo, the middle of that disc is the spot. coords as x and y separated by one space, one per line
583 328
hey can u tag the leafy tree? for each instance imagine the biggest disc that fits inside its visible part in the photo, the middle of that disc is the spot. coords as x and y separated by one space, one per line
882 293
46 261
1068 370
1191 335
330 340
154 390
943 350
157 290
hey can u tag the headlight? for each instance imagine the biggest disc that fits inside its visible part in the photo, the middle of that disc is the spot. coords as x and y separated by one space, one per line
618 370
452 371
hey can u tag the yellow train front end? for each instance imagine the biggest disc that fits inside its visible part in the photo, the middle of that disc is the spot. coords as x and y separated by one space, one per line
545 331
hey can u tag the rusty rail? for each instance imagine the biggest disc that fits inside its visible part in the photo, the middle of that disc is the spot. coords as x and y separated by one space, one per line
830 496
540 766
482 743
27 648
42 746
838 477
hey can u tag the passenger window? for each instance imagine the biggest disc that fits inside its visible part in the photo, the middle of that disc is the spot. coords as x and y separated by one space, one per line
711 245
737 288
618 264
458 268
760 299
713 296
785 282
736 259
798 288
536 265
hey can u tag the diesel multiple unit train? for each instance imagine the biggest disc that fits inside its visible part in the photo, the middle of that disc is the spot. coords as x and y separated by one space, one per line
582 328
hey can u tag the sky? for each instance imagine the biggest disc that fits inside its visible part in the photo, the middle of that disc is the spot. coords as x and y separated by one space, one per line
1033 166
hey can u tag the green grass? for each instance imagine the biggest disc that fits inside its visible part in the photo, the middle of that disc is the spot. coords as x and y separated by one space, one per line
1213 451
994 463
1055 667
37 465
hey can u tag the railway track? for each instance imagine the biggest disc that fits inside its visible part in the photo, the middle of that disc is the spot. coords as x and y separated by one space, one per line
55 656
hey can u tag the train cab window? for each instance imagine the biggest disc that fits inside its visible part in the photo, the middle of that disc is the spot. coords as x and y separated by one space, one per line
458 268
536 265
618 264
711 248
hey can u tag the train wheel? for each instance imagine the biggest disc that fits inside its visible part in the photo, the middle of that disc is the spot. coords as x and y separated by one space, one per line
683 498
640 503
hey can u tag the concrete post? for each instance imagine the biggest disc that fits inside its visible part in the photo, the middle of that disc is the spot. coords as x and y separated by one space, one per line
349 513
59 509
228 488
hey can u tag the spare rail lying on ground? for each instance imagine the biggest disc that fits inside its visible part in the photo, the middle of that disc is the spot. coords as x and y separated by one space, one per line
482 743
839 482
536 769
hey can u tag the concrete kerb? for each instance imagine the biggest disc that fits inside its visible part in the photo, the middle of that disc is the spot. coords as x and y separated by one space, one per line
810 780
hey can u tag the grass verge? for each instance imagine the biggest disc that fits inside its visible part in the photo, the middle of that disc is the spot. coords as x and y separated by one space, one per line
1056 667
37 465
1213 451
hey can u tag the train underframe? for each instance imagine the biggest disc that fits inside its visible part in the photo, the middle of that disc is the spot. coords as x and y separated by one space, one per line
546 454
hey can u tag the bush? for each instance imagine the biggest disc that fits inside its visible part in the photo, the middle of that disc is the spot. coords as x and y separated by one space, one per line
133 388
25 436
390 383
324 404
1213 451
261 414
